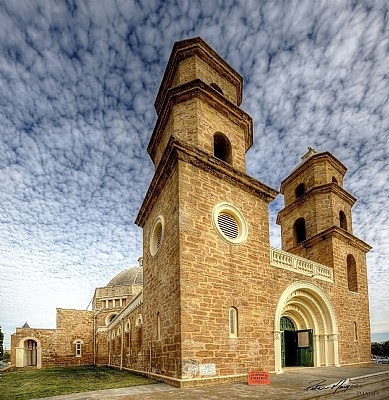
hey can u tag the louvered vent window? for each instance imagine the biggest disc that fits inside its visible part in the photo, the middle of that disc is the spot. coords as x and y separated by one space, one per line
228 225
156 236
159 235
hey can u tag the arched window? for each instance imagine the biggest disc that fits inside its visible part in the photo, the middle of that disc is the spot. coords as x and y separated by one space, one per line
233 322
110 318
139 320
299 231
342 220
158 326
217 88
355 331
222 148
352 278
300 190
334 180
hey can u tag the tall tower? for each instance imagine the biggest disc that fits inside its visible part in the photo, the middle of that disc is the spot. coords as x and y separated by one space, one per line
205 227
316 223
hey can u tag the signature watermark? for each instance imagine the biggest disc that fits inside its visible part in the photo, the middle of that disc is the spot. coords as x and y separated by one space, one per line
340 386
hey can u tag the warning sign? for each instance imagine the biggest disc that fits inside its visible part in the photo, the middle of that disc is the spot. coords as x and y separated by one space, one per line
258 378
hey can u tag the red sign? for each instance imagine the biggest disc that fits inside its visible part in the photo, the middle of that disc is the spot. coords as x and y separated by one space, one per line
258 378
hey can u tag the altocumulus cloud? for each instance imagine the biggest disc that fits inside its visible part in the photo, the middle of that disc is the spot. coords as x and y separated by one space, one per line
77 84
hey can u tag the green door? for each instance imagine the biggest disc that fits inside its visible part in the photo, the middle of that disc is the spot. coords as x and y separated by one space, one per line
305 348
288 346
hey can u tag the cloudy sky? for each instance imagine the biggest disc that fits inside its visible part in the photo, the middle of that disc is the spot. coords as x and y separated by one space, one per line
78 80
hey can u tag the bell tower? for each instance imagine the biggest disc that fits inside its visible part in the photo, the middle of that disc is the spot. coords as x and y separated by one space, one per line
316 223
205 227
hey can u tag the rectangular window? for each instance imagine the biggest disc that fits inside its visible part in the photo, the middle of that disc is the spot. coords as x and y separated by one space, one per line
233 322
78 349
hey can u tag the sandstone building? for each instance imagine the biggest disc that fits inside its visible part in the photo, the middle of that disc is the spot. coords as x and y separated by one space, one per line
215 300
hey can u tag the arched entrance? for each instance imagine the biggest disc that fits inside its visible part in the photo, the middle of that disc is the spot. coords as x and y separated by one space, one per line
29 353
305 328
30 349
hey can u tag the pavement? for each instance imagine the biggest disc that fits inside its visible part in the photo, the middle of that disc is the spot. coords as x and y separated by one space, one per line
344 383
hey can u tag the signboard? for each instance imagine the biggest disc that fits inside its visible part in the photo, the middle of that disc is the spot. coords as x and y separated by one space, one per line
258 378
207 369
303 339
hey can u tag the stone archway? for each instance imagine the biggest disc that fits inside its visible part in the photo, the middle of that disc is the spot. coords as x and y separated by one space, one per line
29 353
309 309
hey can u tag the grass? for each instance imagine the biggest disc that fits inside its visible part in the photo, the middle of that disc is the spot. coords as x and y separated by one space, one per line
29 384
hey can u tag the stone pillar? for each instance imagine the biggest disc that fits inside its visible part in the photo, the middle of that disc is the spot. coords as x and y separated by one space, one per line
277 352
317 351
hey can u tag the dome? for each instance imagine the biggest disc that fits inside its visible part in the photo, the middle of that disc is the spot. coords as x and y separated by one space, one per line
130 276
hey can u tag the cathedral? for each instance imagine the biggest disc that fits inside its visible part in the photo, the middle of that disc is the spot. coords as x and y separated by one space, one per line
210 299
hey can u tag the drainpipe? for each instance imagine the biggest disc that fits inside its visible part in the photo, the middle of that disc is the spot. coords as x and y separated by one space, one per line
109 347
121 345
150 356
95 335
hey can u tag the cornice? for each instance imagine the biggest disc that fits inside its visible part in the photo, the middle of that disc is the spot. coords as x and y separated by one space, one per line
197 88
335 232
196 46
178 149
309 162
326 188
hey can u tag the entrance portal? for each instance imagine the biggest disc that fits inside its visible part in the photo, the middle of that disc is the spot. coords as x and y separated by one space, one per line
305 328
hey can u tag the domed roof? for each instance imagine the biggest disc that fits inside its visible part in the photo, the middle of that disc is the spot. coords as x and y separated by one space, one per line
130 276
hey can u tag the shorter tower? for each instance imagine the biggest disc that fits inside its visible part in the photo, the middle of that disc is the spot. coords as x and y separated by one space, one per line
316 223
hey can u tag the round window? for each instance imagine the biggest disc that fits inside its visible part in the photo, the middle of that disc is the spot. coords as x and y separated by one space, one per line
156 236
229 223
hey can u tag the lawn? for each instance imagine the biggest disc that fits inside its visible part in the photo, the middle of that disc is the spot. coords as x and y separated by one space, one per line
35 383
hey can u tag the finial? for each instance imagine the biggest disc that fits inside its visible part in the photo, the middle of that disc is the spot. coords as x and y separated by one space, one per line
311 151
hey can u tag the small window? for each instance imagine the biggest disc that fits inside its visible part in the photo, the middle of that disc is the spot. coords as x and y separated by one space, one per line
217 88
334 180
110 318
158 326
300 190
127 326
119 331
78 349
355 331
78 343
342 220
139 320
233 322
156 236
352 279
222 148
299 230
229 223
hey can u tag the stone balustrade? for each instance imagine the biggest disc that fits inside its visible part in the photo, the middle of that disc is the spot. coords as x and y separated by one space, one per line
291 262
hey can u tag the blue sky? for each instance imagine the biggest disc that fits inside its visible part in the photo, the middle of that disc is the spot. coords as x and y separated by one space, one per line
78 80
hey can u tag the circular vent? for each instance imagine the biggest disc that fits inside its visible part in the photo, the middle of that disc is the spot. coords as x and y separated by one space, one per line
156 236
229 223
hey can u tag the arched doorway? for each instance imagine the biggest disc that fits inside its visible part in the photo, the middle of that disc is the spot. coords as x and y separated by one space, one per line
305 328
29 353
